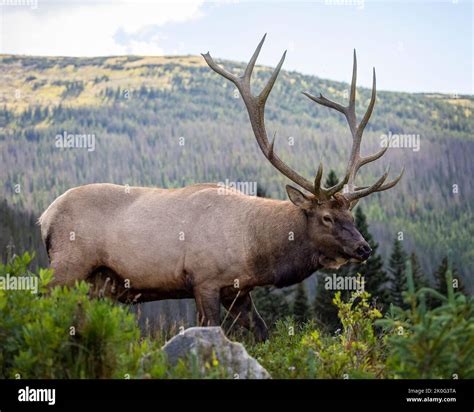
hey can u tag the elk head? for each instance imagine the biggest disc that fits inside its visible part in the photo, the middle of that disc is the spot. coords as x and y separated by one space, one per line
330 223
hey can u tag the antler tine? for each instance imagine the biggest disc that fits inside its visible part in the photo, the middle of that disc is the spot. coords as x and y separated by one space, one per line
370 109
220 70
249 69
322 193
262 97
352 97
256 110
326 102
385 186
368 159
351 196
317 181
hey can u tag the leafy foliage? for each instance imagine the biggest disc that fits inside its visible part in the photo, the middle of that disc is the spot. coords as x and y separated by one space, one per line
427 344
302 351
63 333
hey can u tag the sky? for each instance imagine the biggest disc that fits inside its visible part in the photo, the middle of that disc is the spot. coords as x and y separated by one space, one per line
416 46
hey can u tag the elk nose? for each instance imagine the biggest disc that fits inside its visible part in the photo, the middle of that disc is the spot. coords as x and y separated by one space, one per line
363 251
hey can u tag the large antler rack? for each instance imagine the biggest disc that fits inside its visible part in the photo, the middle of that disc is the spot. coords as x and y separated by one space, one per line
256 111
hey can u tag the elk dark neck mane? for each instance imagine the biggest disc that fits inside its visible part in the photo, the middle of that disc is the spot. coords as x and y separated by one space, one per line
281 251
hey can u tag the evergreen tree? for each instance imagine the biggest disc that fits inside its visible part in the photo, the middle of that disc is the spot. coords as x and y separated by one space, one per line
332 179
419 278
300 304
459 282
324 309
271 304
440 281
397 270
376 279
440 276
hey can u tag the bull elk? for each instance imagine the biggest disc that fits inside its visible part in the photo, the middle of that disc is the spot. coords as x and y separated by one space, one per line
195 242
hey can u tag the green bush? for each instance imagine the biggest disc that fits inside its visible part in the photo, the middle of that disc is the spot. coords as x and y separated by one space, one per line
427 344
63 333
410 343
301 351
283 355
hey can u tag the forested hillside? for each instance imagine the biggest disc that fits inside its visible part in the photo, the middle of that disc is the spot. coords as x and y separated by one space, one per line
170 121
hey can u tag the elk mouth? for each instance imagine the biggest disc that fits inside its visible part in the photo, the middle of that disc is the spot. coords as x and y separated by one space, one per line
358 255
346 256
332 262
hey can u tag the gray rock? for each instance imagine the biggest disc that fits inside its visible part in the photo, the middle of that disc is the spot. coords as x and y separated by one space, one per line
203 341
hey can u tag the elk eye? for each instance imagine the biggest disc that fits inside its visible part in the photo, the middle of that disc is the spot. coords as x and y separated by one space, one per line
327 219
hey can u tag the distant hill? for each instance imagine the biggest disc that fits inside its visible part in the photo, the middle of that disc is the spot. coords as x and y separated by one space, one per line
170 121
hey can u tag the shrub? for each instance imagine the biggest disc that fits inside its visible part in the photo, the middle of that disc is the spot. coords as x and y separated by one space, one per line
283 355
427 344
62 333
304 352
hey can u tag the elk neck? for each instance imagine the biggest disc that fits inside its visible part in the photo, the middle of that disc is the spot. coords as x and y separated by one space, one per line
282 253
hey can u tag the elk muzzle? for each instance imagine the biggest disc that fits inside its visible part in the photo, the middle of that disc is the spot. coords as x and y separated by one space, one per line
362 251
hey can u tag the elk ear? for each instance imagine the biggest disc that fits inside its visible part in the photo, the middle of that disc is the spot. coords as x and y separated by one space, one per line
298 198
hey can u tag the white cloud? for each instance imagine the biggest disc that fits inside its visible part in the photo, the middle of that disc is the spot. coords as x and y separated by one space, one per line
90 29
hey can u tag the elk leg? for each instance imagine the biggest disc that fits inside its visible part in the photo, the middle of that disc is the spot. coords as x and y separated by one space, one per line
66 273
208 306
247 316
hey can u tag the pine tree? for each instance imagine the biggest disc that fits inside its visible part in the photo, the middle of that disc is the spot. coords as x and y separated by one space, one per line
271 304
332 179
440 281
397 270
460 284
324 309
440 276
300 304
376 279
419 278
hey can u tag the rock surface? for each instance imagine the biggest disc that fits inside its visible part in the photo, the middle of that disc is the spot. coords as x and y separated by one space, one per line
204 341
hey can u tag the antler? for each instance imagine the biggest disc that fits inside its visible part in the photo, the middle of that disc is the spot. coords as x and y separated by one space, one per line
354 192
256 110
